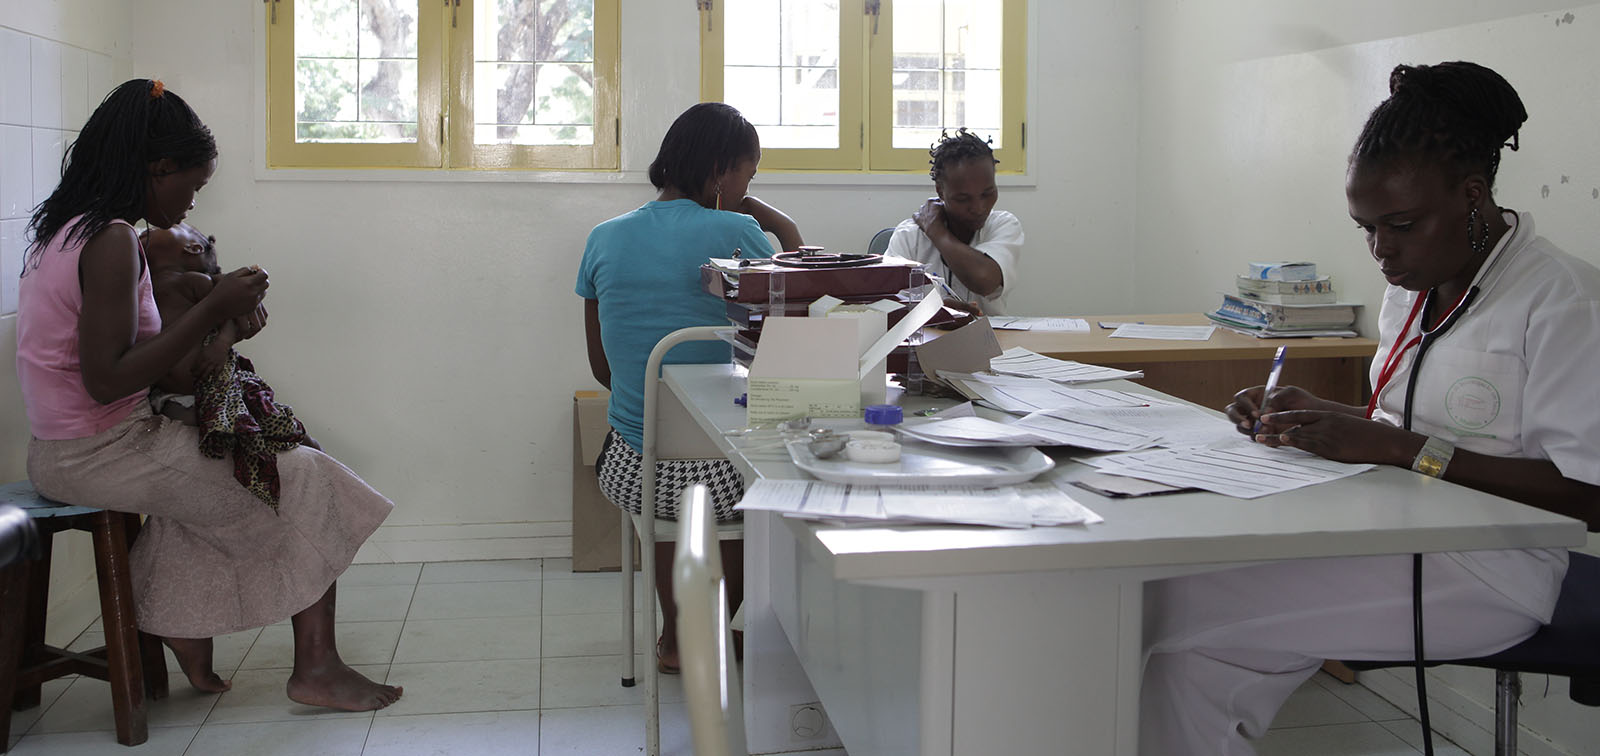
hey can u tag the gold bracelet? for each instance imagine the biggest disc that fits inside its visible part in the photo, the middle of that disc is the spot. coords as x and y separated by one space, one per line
1434 457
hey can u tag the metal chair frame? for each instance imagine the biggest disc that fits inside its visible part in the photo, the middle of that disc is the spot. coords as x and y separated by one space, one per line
710 674
647 528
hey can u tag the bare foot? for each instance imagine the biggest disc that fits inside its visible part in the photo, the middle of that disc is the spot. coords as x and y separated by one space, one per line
340 687
194 658
667 657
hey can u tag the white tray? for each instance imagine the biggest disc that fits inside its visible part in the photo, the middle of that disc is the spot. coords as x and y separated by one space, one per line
929 464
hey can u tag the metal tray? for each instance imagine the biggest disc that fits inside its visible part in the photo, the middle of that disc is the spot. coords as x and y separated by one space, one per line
929 464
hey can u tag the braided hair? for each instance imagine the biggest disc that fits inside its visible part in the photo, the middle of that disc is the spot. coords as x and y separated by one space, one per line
954 148
105 173
707 140
1461 113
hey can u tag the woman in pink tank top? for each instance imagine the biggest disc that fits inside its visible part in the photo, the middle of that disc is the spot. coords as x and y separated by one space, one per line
212 558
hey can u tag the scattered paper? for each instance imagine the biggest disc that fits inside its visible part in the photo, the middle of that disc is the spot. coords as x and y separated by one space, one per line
1036 429
1018 506
1025 362
1120 487
1023 395
1241 468
1168 332
1174 424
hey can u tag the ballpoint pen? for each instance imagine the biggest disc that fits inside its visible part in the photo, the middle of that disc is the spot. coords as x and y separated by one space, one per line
1272 383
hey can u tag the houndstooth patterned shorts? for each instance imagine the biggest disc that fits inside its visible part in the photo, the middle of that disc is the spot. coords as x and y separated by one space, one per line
618 471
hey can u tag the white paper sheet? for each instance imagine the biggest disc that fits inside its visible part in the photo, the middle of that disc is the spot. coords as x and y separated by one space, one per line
1054 325
1036 429
1028 363
1171 333
1239 468
1176 425
1009 506
996 507
1024 395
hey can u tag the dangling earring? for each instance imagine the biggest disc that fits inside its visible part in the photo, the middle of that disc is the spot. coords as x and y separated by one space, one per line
1478 242
719 196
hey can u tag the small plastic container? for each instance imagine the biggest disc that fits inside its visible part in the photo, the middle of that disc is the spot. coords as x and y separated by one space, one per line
880 443
883 417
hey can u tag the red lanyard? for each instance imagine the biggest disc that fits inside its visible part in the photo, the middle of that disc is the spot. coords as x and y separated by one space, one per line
1392 364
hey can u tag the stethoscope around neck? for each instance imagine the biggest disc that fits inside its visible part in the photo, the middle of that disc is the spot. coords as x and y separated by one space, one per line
1425 340
1429 337
1456 313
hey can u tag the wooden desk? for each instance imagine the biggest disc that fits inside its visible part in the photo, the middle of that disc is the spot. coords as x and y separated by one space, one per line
946 640
1208 373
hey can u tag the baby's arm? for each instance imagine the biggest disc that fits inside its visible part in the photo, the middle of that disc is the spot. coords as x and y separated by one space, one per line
175 294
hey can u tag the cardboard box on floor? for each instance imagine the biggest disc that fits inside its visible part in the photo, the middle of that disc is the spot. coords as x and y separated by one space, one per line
596 524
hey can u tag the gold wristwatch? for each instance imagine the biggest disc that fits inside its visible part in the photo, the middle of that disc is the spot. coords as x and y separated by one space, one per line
1434 457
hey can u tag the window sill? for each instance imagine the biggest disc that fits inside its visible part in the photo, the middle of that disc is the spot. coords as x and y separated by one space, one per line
765 178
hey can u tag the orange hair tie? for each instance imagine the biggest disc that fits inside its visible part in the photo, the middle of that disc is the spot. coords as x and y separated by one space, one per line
157 89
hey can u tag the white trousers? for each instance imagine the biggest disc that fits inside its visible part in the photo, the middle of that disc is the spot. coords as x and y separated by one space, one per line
1225 649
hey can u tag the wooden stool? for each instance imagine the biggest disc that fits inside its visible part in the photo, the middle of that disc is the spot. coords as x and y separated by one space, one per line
131 661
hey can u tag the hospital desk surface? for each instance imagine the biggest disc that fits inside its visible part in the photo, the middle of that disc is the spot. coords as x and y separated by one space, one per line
1209 372
948 640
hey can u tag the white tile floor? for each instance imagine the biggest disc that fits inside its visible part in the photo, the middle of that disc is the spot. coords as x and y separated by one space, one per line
512 657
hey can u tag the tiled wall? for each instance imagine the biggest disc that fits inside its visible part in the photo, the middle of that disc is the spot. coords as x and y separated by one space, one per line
47 90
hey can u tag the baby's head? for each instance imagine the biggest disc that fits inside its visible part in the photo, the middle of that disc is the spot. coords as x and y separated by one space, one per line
183 247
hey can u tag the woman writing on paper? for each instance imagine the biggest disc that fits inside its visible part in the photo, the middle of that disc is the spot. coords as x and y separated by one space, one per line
640 280
1507 330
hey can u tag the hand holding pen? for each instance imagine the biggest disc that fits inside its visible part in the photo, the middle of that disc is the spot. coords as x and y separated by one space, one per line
1272 384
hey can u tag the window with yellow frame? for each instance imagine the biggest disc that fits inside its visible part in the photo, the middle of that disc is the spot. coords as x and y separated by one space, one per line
868 85
466 84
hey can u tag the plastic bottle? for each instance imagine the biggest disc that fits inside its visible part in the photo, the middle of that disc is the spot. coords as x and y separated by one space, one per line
880 443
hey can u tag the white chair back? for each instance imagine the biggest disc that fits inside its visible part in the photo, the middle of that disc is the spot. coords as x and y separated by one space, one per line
705 644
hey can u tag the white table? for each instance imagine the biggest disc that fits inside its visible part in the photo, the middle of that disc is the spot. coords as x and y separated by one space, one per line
961 640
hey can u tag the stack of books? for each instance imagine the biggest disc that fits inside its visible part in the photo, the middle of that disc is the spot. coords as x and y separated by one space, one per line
1285 299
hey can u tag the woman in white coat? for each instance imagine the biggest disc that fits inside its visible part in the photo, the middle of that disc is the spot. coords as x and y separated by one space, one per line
1506 401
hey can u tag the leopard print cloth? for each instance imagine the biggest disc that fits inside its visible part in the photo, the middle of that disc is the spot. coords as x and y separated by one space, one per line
238 414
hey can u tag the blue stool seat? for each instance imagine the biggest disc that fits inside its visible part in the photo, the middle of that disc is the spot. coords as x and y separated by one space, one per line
1569 647
21 494
131 661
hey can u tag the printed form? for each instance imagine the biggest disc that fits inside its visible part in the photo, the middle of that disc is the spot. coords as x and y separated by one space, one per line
1018 506
1031 364
1239 468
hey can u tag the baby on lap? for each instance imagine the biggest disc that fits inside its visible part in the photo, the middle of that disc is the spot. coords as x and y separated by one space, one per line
214 387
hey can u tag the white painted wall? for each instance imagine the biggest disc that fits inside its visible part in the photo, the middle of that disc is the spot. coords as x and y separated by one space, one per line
1249 108
56 61
427 331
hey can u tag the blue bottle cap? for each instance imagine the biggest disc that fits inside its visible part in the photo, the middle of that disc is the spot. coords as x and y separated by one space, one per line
883 414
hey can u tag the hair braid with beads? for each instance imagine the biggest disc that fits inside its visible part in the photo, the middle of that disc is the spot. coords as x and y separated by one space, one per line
954 148
105 173
1460 113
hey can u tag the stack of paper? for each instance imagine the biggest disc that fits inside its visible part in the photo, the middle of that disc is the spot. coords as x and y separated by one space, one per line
1030 364
1172 424
1238 468
1037 429
1163 332
1018 506
1020 395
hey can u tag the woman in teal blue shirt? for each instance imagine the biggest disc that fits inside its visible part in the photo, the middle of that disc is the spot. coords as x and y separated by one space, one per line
640 280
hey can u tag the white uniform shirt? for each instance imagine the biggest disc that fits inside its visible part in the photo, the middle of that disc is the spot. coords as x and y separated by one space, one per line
1000 239
1515 376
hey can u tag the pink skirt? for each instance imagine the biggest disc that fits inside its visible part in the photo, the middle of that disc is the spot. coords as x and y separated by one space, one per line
212 558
